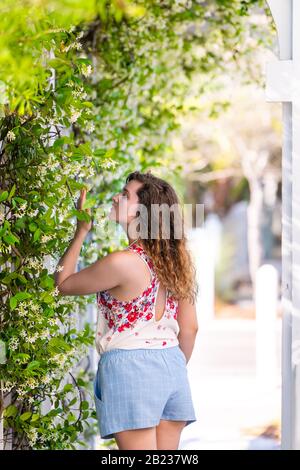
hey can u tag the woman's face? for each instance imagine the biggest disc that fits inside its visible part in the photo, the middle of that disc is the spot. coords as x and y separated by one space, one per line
125 204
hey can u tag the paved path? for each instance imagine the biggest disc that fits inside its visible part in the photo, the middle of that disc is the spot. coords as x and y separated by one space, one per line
232 407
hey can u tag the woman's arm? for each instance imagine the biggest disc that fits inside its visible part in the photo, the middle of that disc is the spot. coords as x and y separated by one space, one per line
68 262
188 324
106 273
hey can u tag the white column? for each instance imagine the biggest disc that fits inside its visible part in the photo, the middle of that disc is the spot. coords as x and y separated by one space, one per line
266 294
283 85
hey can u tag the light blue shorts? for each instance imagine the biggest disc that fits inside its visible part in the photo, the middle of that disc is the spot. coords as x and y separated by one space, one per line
135 388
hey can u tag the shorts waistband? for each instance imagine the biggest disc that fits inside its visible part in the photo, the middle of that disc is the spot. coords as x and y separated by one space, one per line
115 351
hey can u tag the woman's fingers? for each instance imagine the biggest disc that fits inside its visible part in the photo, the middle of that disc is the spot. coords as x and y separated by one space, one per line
81 199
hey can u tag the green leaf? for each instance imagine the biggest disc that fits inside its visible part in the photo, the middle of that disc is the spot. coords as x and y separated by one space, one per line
80 214
20 200
85 405
7 279
11 410
71 417
35 417
25 416
23 356
32 227
99 152
3 196
47 298
11 239
68 388
57 345
13 301
83 60
47 282
81 382
33 365
37 234
22 278
90 202
12 192
83 150
55 412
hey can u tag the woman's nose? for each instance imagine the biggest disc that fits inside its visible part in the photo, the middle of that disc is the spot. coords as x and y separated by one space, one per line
115 199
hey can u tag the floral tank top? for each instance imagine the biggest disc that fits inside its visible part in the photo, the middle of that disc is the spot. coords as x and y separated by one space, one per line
132 324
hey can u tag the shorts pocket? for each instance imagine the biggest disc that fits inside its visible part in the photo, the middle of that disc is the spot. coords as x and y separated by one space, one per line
97 391
99 405
182 355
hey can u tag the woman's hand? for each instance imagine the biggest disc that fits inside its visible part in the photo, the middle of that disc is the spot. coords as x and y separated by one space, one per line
82 225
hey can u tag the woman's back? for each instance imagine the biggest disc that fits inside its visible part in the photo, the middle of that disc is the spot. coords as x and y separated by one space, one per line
147 320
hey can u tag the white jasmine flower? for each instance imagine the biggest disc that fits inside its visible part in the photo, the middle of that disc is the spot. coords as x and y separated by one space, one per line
10 136
80 93
31 382
56 291
32 339
77 45
75 114
109 164
44 335
33 213
8 385
90 127
86 70
35 264
46 238
13 343
46 379
32 436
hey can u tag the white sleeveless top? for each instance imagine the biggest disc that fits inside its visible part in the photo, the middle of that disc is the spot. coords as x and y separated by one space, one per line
131 324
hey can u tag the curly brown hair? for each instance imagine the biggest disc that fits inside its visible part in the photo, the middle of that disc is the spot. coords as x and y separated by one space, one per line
172 260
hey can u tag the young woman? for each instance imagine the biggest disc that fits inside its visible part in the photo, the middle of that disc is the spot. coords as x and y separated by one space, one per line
147 321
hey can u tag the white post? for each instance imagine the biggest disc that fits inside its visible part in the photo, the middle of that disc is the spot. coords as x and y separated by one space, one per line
266 313
283 85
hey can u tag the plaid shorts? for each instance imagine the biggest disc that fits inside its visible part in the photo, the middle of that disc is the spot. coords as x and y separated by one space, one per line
135 388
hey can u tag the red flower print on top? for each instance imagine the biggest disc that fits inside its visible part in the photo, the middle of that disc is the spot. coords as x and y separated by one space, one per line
132 316
121 316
